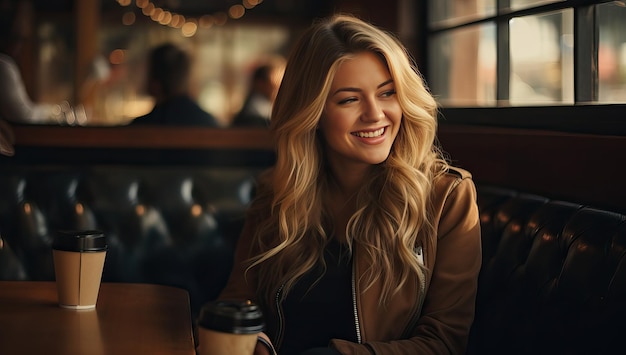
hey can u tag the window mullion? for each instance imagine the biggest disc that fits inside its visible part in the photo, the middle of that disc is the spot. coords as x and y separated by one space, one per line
586 37
503 56
503 61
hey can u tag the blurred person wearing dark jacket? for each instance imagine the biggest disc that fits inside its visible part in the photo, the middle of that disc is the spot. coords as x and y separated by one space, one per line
168 83
257 107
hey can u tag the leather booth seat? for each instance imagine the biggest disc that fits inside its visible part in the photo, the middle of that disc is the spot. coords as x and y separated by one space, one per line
553 278
173 226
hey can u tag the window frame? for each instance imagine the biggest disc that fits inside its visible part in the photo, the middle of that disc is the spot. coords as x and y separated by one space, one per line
586 115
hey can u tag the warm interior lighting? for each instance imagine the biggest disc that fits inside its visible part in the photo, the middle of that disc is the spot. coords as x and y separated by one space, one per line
251 3
196 210
189 29
206 21
220 19
188 26
157 15
140 210
148 9
236 11
128 18
167 18
79 208
177 21
117 56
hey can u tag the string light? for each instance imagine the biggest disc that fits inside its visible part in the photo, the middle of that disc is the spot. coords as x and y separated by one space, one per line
187 25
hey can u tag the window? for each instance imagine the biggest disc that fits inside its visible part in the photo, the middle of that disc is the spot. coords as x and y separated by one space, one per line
526 54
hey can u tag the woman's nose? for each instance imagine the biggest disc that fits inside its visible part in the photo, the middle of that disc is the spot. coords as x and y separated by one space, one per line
372 112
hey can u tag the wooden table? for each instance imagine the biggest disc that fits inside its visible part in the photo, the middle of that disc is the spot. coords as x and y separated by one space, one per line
128 319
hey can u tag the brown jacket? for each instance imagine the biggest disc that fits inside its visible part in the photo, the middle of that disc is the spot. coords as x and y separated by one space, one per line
412 324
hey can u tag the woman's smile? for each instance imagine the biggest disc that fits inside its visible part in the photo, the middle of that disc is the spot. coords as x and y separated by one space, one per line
370 134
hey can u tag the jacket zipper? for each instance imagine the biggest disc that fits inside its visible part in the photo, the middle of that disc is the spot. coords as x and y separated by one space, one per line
281 320
422 292
354 306
408 329
357 323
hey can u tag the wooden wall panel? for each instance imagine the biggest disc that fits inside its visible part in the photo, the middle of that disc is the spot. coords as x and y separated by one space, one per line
577 167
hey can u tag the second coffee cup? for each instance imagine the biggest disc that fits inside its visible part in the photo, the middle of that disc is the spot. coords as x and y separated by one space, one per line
78 264
229 328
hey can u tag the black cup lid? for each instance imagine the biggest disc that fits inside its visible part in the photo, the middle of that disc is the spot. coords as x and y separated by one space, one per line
231 316
79 240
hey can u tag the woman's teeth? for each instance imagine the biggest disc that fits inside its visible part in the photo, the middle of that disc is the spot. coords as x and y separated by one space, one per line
373 134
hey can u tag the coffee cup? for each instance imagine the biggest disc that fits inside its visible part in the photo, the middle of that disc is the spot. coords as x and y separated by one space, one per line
78 264
229 327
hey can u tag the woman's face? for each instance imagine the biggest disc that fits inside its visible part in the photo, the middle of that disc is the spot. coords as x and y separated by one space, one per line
362 114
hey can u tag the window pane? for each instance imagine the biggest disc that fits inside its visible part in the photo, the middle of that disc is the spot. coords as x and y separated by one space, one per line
612 53
462 66
442 11
522 4
542 61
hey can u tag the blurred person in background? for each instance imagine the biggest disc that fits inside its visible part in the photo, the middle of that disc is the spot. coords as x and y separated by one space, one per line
169 69
257 107
15 104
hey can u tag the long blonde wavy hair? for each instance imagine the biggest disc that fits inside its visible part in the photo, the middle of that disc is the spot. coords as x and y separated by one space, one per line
392 214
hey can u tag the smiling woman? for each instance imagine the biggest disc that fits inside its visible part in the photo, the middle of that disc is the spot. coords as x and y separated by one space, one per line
358 202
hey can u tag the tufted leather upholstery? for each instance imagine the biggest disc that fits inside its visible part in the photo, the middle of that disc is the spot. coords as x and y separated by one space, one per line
174 226
553 279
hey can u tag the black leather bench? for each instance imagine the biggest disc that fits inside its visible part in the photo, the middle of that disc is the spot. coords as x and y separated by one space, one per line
553 279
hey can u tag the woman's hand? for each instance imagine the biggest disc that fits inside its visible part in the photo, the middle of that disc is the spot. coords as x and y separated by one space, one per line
264 346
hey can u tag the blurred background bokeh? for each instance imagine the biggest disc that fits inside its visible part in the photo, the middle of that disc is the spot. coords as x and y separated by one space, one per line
92 52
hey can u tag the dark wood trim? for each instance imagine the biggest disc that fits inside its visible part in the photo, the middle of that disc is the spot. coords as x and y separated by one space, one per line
583 168
142 137
134 145
585 118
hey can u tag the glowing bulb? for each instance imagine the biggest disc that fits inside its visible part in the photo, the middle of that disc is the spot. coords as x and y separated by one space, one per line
128 18
236 11
189 29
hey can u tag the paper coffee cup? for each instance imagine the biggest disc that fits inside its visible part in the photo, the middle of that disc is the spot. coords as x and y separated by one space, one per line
78 264
229 328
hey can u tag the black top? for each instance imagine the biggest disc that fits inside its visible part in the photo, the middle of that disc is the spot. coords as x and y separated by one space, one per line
178 111
323 312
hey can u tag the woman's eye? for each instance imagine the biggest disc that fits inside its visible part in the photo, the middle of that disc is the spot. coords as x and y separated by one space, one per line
389 93
347 100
